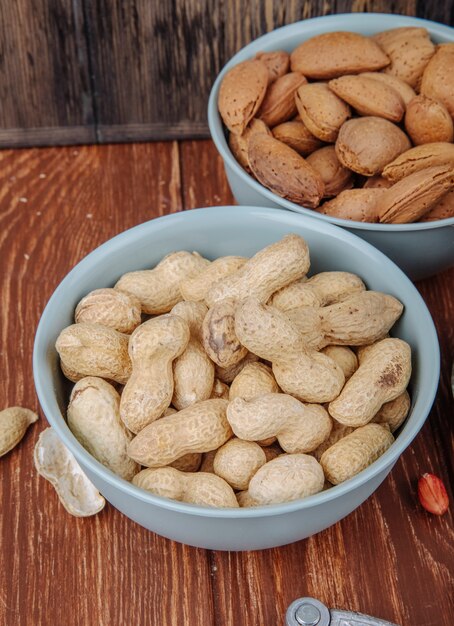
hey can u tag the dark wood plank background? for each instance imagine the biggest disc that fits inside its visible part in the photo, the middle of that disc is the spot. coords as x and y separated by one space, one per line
389 558
80 71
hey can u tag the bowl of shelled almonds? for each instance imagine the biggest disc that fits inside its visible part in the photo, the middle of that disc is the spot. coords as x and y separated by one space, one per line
233 378
349 119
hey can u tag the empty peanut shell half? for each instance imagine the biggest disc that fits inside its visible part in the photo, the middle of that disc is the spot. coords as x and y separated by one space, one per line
14 422
57 465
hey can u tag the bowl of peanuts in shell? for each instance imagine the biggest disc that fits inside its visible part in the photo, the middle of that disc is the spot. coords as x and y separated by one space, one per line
349 119
234 378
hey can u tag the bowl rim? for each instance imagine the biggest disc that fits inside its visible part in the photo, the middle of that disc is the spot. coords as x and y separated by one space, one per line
217 131
54 416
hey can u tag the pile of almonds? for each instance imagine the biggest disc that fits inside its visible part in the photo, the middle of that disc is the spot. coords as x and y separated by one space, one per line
354 127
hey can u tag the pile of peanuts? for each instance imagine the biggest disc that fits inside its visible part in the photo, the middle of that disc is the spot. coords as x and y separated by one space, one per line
236 382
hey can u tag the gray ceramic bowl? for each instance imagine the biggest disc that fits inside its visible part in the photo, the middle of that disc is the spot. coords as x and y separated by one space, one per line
421 250
215 232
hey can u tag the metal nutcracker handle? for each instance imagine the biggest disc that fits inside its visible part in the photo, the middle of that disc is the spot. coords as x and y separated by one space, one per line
312 612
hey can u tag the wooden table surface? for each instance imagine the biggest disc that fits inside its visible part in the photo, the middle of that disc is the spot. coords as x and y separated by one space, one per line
389 558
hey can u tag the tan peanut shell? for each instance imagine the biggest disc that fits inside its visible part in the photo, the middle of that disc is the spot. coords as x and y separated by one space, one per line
188 462
335 176
406 92
443 209
227 374
344 357
207 461
268 270
382 375
284 171
56 464
201 488
94 419
409 49
94 350
14 422
237 461
255 379
413 196
369 97
238 144
153 347
284 479
193 371
298 427
245 500
197 287
158 289
321 110
269 333
394 413
241 93
218 334
199 428
334 54
438 78
428 121
110 307
277 63
297 136
419 158
354 452
367 144
220 390
278 105
338 432
360 205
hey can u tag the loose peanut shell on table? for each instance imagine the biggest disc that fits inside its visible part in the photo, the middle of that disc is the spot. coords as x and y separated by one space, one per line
238 144
158 289
56 464
237 461
413 196
321 110
241 93
14 422
409 49
110 307
419 158
278 105
428 121
367 144
94 419
354 452
369 97
335 176
438 78
286 478
297 136
334 54
277 63
284 171
201 488
360 205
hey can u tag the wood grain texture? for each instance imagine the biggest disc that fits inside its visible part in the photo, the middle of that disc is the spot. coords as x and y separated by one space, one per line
389 558
79 71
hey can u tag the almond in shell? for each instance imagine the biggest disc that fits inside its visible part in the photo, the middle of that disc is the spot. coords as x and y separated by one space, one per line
377 182
334 54
406 92
369 97
241 93
442 210
419 158
360 205
284 171
239 143
410 49
321 110
367 144
428 121
277 63
438 77
335 176
413 196
296 135
279 105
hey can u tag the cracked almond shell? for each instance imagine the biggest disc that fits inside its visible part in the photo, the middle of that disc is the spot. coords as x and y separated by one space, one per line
241 93
284 171
334 54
